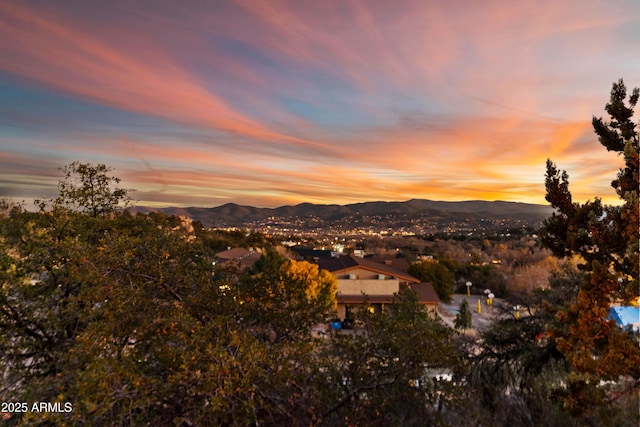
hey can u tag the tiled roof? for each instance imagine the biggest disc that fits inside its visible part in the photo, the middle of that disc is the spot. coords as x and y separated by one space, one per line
234 253
345 263
399 263
239 258
425 292
338 263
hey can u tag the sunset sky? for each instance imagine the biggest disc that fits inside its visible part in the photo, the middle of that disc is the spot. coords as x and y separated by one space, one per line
267 103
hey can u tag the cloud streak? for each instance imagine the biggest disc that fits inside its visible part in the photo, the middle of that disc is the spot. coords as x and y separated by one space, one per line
79 64
273 102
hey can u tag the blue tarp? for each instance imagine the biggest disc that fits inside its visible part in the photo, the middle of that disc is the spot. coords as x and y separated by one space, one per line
626 316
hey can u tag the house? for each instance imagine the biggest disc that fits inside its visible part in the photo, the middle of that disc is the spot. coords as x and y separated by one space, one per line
427 296
238 259
362 280
398 262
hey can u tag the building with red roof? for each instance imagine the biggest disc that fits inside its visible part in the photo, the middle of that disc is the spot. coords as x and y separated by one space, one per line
373 282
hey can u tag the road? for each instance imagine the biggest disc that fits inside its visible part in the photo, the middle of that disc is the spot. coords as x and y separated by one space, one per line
448 311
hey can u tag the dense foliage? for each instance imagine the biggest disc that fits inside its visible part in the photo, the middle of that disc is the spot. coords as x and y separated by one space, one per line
127 320
437 274
565 362
605 240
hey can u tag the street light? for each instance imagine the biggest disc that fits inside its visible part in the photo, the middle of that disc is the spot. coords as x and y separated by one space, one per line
469 285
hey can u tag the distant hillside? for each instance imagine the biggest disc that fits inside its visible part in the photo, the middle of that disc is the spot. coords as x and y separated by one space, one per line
232 214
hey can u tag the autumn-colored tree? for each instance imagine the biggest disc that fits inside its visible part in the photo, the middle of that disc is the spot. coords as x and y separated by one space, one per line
283 299
606 240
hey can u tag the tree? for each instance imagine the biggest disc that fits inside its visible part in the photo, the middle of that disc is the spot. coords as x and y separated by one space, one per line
484 276
606 240
284 299
388 373
463 318
437 274
517 374
90 189
98 310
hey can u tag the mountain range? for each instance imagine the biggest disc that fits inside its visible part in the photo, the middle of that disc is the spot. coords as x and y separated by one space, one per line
234 215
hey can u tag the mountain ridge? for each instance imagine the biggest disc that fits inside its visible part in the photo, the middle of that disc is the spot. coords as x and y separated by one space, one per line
233 214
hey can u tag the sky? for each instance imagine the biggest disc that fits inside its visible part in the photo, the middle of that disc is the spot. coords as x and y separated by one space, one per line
271 103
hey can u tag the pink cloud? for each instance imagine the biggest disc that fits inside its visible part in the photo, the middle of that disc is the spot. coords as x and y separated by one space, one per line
42 49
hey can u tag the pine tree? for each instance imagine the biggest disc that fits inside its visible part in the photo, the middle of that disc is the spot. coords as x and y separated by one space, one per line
606 240
463 318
